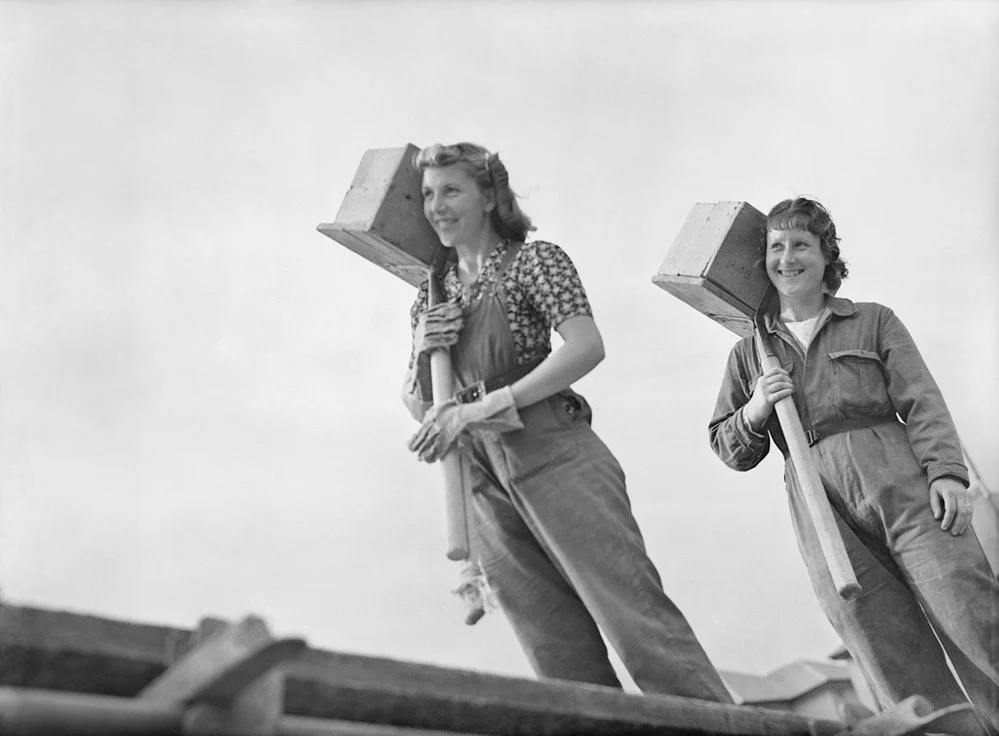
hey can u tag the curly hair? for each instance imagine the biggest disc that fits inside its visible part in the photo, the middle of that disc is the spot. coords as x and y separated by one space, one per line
802 213
507 219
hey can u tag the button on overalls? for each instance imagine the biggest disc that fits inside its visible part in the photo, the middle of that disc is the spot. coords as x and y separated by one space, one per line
556 539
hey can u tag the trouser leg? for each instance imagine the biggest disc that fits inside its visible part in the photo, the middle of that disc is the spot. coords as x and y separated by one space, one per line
556 632
884 628
580 514
952 580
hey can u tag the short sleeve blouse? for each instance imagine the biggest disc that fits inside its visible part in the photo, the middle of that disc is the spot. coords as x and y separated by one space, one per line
542 289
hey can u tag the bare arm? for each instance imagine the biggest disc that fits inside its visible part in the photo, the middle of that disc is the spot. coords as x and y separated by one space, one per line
412 396
582 351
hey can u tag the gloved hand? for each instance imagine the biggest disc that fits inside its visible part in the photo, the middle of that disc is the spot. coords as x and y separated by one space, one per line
437 327
495 412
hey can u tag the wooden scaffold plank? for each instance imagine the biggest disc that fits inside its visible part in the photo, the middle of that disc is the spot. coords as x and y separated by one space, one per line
213 688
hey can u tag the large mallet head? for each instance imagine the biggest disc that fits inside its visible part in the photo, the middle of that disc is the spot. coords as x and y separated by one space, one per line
381 217
713 264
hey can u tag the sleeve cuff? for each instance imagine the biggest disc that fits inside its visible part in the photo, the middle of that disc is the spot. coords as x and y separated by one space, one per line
750 435
953 470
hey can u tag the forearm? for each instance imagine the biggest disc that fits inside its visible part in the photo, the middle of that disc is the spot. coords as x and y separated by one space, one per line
417 408
562 368
417 391
731 435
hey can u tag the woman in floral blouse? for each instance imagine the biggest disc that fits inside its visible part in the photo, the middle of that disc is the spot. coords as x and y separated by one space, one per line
552 526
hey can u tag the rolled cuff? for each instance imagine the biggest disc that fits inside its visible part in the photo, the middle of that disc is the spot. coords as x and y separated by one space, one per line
745 432
952 469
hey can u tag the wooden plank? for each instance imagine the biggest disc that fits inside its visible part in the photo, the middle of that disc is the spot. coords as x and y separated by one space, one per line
298 726
58 650
355 688
104 656
712 264
31 712
49 713
256 711
381 217
223 665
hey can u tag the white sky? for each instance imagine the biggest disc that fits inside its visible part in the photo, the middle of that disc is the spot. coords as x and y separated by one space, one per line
199 407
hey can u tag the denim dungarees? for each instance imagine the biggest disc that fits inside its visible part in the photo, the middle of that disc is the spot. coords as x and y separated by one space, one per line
553 531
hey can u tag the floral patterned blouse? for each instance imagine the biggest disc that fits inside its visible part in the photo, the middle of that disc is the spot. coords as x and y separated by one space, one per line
542 290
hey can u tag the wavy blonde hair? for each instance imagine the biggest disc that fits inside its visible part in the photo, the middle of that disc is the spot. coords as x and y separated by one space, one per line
490 175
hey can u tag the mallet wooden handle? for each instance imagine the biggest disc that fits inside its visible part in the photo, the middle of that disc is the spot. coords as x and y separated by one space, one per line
442 380
812 490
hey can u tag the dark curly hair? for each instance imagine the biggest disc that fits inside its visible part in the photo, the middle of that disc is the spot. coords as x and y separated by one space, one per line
507 219
802 213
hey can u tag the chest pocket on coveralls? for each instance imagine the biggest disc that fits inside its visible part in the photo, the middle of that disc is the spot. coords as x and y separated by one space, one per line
858 381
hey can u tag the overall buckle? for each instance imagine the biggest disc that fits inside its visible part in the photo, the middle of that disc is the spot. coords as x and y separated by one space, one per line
812 436
471 393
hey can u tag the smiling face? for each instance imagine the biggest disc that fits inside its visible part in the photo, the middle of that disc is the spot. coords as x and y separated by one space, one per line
454 205
795 263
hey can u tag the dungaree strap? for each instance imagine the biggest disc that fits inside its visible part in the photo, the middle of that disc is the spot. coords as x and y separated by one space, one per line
505 264
518 371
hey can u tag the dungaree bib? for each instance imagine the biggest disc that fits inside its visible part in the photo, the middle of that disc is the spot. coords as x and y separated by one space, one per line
485 349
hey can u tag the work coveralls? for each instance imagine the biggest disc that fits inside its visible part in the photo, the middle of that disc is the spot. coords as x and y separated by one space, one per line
556 539
860 375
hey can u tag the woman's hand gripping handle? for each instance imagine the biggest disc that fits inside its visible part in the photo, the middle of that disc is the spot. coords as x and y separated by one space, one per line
775 381
442 380
774 385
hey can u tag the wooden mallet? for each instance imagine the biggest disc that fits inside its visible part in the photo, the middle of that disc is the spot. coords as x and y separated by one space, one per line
712 267
381 218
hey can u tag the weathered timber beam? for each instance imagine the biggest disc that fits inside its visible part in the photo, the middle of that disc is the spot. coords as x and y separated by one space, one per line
366 688
49 713
90 655
57 650
223 665
30 712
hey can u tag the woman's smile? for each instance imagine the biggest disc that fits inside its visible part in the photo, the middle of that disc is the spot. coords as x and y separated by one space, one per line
795 262
454 205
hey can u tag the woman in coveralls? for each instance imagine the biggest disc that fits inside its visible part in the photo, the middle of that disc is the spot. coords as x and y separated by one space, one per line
898 489
552 526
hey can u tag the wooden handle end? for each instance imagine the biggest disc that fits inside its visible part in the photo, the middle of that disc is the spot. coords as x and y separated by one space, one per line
849 591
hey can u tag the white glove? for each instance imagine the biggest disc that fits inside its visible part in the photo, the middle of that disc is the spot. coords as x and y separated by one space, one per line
437 327
442 425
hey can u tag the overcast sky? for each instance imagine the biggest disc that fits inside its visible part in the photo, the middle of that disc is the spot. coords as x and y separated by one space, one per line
199 408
